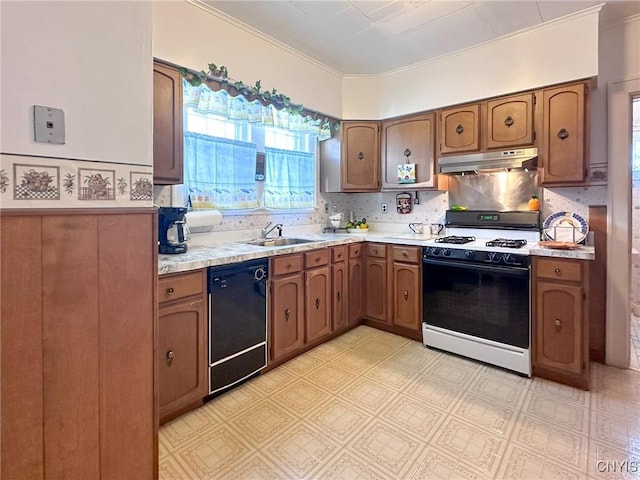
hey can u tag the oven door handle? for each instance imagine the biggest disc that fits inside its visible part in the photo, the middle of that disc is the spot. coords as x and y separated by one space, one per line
514 271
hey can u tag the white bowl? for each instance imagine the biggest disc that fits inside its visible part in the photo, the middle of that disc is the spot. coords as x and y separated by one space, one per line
335 223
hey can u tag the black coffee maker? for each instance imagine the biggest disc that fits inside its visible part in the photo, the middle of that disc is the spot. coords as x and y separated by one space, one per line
173 232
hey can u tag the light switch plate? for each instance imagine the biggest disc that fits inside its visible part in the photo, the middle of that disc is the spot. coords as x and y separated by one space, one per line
48 124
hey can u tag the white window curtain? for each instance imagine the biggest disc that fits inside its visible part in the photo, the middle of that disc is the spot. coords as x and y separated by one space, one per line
289 179
220 173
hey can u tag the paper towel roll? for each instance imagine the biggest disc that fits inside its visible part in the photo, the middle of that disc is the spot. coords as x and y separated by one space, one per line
203 220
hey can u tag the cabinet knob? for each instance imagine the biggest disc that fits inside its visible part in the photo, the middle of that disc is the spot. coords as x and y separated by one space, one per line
405 294
558 325
170 291
317 259
407 154
169 357
557 271
288 266
339 255
317 303
338 296
287 312
404 254
509 121
459 129
563 134
360 155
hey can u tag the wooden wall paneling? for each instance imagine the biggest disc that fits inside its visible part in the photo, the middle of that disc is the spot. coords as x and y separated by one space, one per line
22 406
598 284
71 340
128 269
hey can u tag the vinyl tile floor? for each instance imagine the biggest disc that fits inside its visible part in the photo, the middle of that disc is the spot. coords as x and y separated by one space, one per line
372 405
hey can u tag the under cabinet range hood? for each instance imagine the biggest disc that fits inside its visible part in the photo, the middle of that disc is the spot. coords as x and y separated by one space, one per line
523 158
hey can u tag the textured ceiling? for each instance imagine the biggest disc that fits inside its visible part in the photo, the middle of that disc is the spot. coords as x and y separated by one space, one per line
373 37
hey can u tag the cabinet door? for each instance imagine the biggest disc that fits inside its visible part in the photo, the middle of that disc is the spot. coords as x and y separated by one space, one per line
510 122
460 129
414 136
287 322
562 151
360 153
339 297
407 296
167 125
376 289
317 303
355 294
181 356
558 330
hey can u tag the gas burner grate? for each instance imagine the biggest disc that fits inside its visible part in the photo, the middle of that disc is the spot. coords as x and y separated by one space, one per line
506 243
459 240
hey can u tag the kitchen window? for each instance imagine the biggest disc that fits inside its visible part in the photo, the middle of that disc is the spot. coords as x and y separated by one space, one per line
224 136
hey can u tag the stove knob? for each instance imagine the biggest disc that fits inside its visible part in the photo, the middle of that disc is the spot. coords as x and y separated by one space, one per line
446 252
435 251
508 258
493 257
470 254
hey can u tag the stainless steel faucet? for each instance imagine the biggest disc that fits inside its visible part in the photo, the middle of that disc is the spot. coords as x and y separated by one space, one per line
266 230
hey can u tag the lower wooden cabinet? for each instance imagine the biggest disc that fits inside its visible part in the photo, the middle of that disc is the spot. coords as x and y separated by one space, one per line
355 281
407 295
286 315
317 303
376 282
182 343
560 342
339 288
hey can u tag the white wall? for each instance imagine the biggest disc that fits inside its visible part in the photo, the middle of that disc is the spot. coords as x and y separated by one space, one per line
192 37
560 51
91 59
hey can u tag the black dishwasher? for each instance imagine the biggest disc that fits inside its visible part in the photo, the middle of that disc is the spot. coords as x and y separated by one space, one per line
237 322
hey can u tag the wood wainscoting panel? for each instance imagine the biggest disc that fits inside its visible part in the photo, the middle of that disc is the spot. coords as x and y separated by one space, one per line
598 284
70 325
22 407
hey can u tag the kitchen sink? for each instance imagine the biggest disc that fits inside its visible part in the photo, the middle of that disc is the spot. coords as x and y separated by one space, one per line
278 242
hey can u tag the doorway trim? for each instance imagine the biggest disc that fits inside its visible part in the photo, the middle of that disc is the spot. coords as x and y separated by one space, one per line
619 242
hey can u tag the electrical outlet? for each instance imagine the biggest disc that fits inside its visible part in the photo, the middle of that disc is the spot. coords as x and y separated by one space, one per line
384 208
326 207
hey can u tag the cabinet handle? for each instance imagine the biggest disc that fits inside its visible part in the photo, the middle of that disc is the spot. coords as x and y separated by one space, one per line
406 294
287 312
404 254
338 295
459 129
169 357
317 259
339 255
170 290
558 325
563 134
288 266
557 271
360 155
407 153
509 121
317 303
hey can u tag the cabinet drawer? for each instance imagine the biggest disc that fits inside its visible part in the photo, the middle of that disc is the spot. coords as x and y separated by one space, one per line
407 254
339 253
181 286
316 258
286 264
567 270
376 250
355 251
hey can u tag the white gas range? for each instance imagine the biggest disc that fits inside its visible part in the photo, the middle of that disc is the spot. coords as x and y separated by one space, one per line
476 287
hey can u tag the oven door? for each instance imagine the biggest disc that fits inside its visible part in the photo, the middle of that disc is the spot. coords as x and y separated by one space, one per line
489 302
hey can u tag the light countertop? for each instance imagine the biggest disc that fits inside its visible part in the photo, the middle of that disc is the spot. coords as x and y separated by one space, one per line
234 252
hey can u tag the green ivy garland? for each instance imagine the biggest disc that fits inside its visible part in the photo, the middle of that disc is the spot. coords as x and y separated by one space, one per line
221 74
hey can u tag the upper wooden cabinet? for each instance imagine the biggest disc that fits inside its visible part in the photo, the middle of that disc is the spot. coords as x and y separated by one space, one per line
409 140
562 152
360 156
460 129
167 125
510 122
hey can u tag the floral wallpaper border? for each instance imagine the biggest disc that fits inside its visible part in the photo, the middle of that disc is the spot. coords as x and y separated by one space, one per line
38 182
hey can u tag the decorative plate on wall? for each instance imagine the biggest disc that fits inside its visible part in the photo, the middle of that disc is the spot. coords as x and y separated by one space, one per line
565 227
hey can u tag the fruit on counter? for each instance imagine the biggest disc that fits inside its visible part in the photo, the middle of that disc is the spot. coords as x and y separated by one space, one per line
359 224
534 203
458 208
